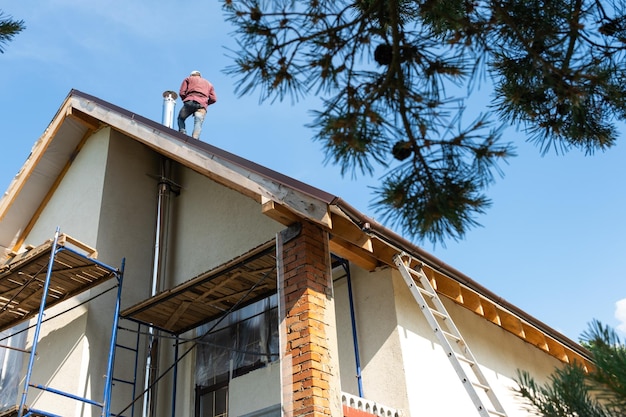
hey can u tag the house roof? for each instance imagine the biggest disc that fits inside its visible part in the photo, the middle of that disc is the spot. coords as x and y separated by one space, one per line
353 235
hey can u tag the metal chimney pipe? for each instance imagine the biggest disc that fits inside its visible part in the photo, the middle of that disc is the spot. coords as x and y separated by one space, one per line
169 104
156 285
165 188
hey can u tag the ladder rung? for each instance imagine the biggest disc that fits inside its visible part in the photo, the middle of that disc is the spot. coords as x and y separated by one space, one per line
438 314
465 359
451 336
481 386
425 292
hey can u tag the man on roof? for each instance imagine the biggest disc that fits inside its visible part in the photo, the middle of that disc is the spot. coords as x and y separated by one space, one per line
197 94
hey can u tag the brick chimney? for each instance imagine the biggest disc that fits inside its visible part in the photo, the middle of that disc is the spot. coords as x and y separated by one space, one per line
310 370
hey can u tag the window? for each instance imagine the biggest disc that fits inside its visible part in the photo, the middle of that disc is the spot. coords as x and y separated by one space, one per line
245 340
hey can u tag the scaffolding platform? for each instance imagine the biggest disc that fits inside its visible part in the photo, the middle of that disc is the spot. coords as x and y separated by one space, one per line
206 297
40 278
22 279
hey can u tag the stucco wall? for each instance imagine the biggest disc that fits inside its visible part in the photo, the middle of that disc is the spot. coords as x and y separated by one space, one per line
107 199
212 224
74 208
380 351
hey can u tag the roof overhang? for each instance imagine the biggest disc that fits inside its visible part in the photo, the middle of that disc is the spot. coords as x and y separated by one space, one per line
353 236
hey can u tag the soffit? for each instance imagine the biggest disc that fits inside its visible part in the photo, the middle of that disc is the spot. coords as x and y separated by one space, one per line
37 177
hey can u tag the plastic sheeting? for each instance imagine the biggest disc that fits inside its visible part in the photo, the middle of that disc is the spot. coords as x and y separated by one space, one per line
11 365
244 340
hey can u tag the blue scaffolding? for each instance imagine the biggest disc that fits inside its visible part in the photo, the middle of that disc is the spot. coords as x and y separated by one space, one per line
71 268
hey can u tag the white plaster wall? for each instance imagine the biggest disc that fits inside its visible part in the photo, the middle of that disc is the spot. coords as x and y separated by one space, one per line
382 366
107 199
126 230
347 361
76 203
75 209
211 225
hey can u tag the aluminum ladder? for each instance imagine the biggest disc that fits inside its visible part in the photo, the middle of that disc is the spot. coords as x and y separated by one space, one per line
459 354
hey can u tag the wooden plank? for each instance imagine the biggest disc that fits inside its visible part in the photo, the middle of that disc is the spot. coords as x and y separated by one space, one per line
279 213
90 252
22 280
182 308
510 322
198 280
350 232
358 256
445 285
557 350
491 313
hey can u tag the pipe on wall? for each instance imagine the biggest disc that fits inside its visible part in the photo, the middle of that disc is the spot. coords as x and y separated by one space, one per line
345 264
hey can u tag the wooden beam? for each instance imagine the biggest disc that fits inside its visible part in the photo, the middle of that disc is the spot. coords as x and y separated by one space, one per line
491 313
354 254
445 285
511 323
350 232
91 122
279 212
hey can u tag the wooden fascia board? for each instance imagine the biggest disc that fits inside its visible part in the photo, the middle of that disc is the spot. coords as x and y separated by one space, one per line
347 230
220 170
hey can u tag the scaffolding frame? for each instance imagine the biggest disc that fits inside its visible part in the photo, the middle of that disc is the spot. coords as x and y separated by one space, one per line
68 273
189 302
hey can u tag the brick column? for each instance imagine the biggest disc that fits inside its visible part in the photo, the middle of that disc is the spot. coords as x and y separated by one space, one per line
309 364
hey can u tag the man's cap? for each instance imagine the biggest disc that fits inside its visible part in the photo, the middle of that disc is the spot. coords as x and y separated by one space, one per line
196 72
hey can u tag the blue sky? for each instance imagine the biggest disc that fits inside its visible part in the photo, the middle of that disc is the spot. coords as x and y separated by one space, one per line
553 243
